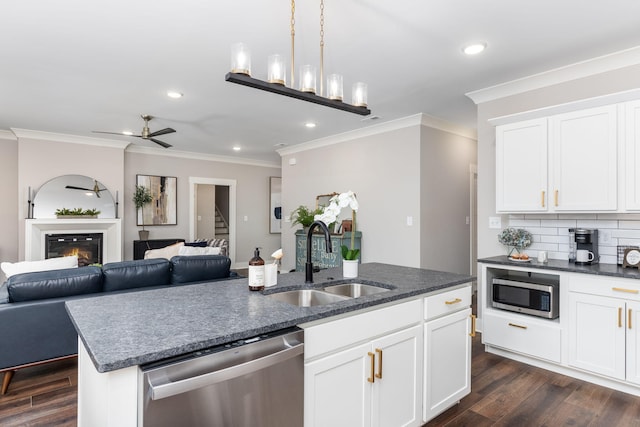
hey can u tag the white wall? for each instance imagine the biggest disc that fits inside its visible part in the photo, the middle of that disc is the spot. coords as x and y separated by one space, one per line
618 80
9 196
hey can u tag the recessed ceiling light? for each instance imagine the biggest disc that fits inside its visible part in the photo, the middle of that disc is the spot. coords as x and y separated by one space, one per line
310 125
280 144
474 48
127 132
236 148
174 94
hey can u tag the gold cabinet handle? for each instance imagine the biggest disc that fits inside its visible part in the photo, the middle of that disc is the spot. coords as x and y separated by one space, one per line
629 291
629 322
379 353
473 325
555 197
372 358
455 301
517 326
542 198
619 317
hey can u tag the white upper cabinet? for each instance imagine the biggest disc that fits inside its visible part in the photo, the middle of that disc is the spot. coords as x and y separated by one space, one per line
521 173
632 155
584 173
562 163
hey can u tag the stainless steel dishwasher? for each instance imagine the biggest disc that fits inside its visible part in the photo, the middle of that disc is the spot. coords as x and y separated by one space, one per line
251 382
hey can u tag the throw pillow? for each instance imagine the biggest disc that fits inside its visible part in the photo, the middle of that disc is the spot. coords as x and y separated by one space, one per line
13 268
190 250
167 252
196 244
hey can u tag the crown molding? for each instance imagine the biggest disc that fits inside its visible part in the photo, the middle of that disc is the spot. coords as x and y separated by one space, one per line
601 64
72 139
200 156
392 125
7 135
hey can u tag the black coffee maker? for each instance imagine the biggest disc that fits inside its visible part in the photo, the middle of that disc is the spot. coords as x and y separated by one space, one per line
587 239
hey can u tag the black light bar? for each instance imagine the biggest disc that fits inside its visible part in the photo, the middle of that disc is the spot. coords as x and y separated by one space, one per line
245 80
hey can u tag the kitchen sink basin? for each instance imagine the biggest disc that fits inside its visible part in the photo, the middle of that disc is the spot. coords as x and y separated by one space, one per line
307 297
354 290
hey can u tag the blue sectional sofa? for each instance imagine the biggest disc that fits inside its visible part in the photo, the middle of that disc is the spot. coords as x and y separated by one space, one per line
34 325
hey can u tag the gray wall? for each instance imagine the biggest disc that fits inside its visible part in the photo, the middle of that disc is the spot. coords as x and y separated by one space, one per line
445 200
205 211
597 85
396 174
9 196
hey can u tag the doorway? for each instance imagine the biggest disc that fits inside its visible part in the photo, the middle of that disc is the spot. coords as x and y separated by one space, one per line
473 222
212 210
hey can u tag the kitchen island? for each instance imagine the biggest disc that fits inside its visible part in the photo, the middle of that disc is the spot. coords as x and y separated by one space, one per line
117 333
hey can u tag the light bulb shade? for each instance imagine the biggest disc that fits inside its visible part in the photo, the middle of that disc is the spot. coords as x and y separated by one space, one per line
308 78
276 70
334 87
359 94
240 59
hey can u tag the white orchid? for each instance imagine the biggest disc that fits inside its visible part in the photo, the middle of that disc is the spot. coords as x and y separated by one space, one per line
330 215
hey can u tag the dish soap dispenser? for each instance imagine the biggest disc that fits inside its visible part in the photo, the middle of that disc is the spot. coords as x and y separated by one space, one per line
256 272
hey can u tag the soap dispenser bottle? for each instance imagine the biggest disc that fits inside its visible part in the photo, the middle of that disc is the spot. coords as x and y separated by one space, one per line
256 272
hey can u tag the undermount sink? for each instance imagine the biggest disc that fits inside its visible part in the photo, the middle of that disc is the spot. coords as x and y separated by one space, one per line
354 290
307 297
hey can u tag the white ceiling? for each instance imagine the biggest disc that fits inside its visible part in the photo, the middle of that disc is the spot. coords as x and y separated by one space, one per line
73 66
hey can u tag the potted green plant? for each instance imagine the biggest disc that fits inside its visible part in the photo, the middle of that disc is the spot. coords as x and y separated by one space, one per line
142 196
329 215
304 216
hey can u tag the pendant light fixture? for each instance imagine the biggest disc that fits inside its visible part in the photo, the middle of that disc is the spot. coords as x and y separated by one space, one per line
307 87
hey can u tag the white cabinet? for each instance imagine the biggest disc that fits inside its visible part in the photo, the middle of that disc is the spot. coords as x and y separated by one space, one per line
632 155
447 348
603 335
562 163
584 159
521 167
375 383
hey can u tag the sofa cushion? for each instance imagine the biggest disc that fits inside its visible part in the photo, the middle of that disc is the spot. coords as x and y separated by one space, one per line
136 274
54 284
167 252
199 268
191 250
12 268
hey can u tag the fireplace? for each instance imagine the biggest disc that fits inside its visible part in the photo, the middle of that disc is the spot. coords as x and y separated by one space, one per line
87 246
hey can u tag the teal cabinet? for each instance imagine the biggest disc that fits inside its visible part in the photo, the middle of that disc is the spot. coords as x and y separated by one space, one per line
319 256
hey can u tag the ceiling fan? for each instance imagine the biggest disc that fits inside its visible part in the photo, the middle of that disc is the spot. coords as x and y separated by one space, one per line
146 134
96 188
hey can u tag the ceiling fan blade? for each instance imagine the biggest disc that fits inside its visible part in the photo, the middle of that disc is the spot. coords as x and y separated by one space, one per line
164 144
161 132
115 133
78 188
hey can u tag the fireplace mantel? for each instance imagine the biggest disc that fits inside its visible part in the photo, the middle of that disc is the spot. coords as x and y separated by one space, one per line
36 229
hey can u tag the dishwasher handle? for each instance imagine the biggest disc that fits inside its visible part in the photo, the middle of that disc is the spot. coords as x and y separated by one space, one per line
168 389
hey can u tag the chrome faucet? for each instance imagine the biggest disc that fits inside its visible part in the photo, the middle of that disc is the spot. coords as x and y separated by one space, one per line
308 267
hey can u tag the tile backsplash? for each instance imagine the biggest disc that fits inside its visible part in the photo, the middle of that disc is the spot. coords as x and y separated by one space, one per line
551 232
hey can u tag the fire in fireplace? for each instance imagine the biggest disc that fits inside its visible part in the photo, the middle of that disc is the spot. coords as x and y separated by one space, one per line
88 247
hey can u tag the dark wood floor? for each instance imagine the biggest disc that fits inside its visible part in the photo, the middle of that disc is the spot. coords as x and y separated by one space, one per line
503 393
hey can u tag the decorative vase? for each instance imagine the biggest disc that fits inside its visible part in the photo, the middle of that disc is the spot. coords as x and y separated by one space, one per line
144 234
350 268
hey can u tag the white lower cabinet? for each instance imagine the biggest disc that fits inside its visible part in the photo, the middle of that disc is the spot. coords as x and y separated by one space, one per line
603 336
447 362
447 350
374 384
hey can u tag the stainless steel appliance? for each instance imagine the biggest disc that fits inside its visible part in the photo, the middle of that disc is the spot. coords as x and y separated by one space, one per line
537 299
252 382
587 239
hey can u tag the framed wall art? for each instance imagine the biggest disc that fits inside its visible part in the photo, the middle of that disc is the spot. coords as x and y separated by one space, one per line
163 208
275 204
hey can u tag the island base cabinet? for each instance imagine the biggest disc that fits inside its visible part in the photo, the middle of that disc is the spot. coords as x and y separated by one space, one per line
374 384
447 349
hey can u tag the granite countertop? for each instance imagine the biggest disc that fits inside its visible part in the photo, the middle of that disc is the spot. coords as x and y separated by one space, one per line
564 265
128 329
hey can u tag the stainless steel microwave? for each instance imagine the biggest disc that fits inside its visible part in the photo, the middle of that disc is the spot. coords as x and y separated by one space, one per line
536 299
